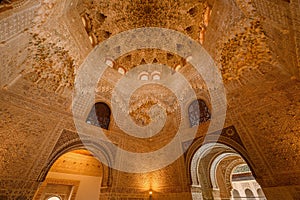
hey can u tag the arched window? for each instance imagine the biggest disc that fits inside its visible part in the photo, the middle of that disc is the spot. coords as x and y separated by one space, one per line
202 33
109 62
121 70
53 198
198 112
83 19
99 115
155 75
260 193
177 68
93 39
249 194
189 58
235 194
144 76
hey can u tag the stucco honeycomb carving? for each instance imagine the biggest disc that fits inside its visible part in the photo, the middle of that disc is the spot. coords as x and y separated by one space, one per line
148 96
245 50
140 114
103 19
52 67
278 13
149 56
104 90
246 6
6 117
10 4
274 131
17 189
17 126
18 22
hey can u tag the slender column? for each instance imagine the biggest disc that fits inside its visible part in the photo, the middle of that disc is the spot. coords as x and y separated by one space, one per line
196 192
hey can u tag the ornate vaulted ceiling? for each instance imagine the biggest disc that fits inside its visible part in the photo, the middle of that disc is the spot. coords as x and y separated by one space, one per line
256 50
52 51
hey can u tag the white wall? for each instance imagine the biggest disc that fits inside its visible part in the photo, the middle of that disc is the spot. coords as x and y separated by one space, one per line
241 186
89 187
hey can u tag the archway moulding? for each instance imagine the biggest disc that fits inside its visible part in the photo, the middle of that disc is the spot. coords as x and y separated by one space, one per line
69 141
228 137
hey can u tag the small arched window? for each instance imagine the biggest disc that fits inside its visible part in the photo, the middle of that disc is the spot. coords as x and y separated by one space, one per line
93 39
202 33
177 68
121 70
109 62
198 112
83 21
260 193
235 194
249 194
86 22
155 75
144 76
99 115
53 198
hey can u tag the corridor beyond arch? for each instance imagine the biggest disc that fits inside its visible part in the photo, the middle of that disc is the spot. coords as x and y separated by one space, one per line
220 172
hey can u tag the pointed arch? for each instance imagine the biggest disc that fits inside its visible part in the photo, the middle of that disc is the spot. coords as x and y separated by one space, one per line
236 194
70 141
249 194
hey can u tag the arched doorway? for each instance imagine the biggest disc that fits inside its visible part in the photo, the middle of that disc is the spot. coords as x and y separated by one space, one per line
75 175
219 172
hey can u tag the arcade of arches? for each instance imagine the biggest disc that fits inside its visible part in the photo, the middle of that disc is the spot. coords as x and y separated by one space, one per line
255 44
